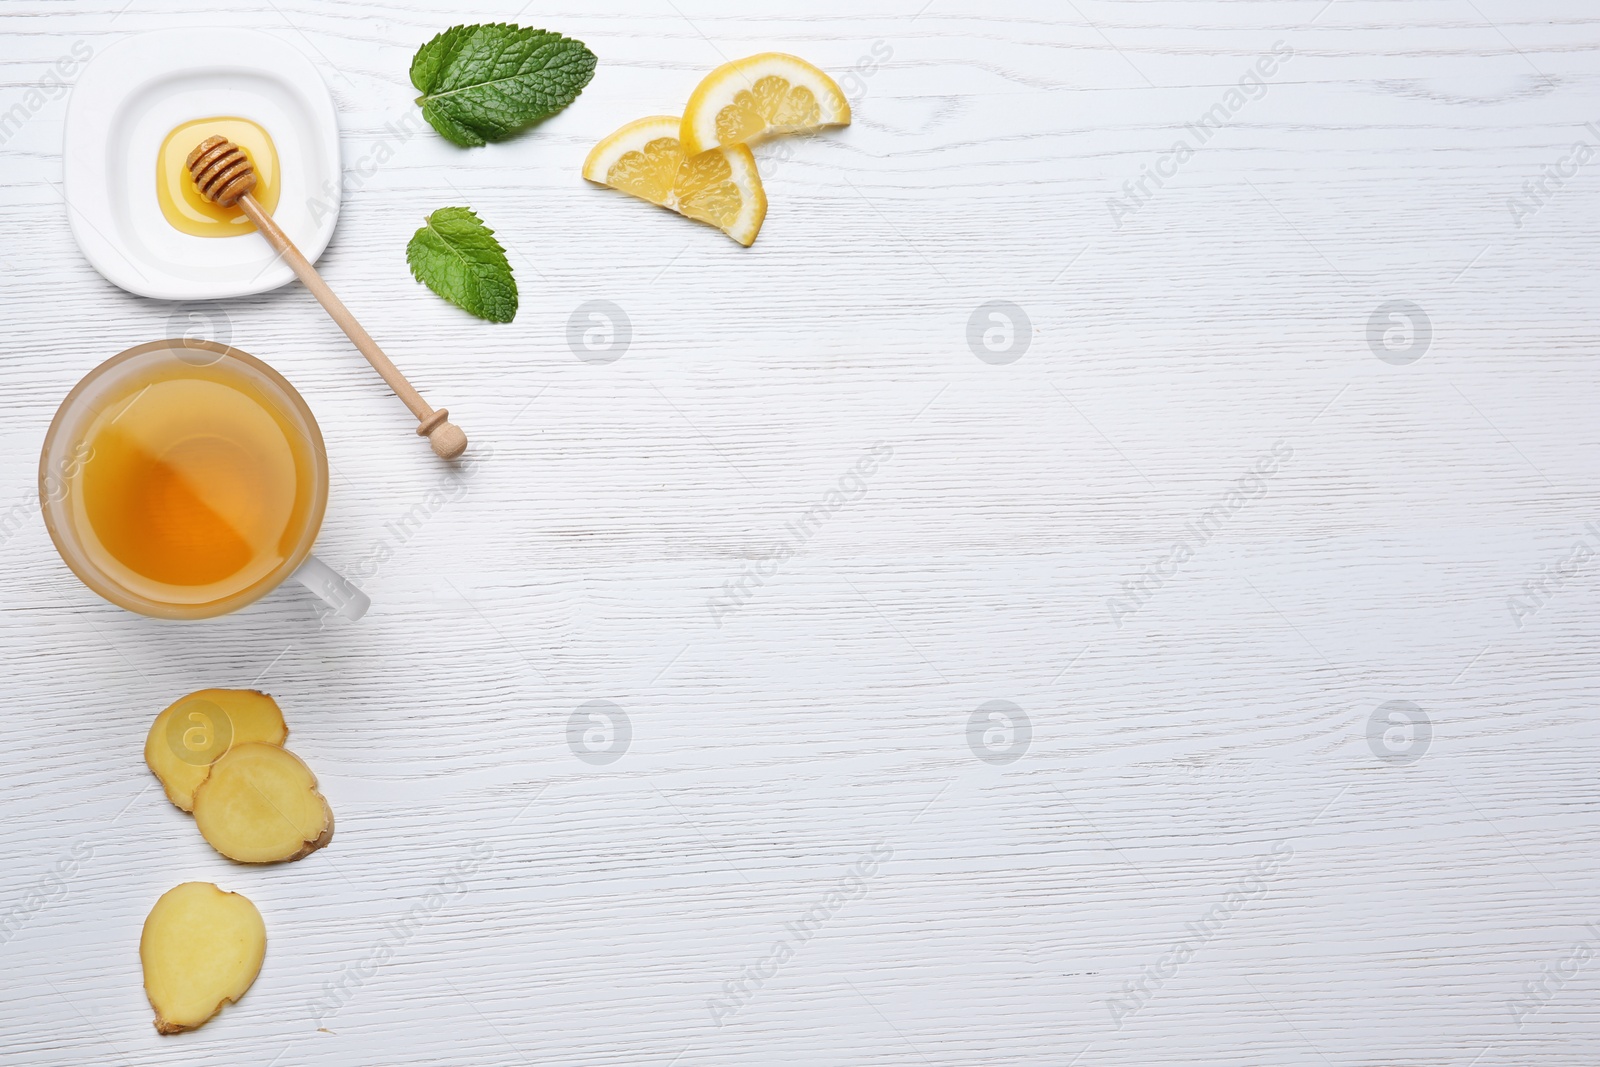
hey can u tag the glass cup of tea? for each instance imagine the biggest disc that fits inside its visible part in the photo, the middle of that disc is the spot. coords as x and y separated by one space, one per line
184 479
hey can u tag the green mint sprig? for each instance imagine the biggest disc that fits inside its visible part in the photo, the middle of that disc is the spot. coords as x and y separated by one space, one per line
486 82
456 256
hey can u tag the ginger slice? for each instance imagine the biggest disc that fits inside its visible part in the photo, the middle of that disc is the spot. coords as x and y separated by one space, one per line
193 731
260 804
201 949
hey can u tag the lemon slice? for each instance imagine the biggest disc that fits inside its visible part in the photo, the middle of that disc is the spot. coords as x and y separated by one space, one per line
760 95
641 159
719 186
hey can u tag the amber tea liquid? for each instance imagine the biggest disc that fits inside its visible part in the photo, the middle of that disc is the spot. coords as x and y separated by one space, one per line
196 486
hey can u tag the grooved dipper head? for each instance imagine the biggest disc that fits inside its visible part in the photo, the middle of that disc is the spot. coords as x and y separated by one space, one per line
221 170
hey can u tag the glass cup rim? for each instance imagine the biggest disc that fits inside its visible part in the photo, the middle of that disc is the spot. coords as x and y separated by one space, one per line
111 591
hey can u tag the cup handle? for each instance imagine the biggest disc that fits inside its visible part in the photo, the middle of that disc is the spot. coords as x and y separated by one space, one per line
337 591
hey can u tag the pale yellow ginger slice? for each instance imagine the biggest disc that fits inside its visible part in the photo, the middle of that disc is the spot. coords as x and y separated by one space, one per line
201 949
192 732
260 804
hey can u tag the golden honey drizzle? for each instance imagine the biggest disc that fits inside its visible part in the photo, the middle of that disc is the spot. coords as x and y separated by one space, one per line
181 203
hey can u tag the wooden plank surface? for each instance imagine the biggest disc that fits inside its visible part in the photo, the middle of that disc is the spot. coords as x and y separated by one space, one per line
1198 532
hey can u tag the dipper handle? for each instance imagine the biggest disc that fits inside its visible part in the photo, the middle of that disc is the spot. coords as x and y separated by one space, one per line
224 174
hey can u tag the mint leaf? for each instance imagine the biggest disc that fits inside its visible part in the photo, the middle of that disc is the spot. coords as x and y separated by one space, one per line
456 256
484 83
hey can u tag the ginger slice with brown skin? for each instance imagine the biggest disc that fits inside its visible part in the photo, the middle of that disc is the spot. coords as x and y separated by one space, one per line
260 804
201 949
194 731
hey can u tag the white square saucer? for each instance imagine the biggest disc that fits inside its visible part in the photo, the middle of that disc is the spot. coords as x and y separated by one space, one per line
132 95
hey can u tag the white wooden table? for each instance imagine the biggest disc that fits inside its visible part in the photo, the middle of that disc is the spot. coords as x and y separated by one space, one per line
1216 842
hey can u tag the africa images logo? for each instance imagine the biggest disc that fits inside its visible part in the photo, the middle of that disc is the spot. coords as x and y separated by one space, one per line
1252 485
1252 85
847 489
736 992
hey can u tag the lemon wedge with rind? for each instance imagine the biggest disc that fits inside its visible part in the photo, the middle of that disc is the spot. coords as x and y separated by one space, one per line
758 96
720 186
641 159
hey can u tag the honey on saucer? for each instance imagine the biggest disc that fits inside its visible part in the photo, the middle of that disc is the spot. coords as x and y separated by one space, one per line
181 203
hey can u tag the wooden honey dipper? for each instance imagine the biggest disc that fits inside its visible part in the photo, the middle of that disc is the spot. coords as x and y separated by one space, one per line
225 175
